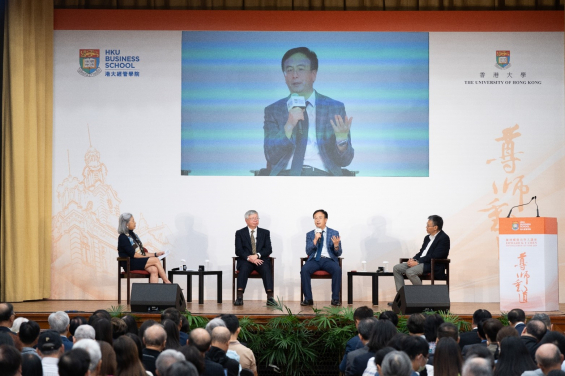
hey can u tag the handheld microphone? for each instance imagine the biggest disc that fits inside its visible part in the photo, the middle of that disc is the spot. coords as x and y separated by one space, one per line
318 230
296 100
510 212
537 207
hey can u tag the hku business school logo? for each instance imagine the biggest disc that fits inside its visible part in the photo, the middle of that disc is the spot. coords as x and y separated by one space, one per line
502 59
89 60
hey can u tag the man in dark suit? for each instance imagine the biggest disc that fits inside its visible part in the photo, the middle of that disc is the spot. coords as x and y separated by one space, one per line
472 337
436 245
253 248
323 247
517 318
311 141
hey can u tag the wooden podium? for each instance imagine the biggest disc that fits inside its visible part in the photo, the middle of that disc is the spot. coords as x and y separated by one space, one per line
529 276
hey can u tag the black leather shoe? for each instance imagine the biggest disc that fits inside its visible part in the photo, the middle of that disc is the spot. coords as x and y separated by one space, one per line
238 302
389 304
271 302
336 302
307 302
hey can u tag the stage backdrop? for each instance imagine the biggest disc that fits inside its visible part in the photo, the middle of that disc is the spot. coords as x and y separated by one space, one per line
464 124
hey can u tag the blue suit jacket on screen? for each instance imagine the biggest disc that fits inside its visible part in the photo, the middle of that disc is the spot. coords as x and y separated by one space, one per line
311 249
279 149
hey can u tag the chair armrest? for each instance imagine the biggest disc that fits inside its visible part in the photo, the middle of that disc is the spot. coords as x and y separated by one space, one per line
441 261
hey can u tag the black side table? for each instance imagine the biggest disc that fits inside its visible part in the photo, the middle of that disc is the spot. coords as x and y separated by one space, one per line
375 276
200 274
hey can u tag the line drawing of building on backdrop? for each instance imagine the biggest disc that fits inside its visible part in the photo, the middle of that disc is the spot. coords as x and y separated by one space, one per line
85 237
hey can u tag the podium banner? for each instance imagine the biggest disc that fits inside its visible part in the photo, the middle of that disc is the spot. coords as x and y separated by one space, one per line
528 264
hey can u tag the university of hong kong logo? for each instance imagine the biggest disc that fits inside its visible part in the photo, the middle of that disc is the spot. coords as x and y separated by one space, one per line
515 226
89 63
502 59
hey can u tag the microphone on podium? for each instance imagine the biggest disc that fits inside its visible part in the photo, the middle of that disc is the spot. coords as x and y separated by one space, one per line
296 100
510 212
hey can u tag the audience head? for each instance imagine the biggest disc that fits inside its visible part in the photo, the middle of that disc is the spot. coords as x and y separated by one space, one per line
127 357
390 316
10 360
361 313
507 331
185 324
84 332
379 357
97 315
491 327
172 314
431 326
93 349
29 333
477 366
172 330
155 337
514 358
194 356
221 337
543 317
535 328
131 323
480 351
232 323
481 330
75 323
481 314
74 363
7 315
59 322
214 323
516 315
109 365
548 357
200 338
415 324
6 339
103 329
182 368
366 327
382 333
138 343
556 338
50 344
16 325
447 358
396 363
31 365
166 358
448 330
143 327
397 342
417 349
119 327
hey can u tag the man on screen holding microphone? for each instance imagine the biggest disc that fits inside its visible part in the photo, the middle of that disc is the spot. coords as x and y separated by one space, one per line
306 133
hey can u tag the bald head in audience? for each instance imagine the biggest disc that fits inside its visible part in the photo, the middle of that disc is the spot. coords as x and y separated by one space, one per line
476 366
221 338
548 358
155 337
200 338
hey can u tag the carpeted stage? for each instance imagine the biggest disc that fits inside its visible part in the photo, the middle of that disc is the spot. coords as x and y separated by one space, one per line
40 310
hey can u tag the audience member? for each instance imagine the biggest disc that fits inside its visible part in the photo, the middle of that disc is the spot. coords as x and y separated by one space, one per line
517 319
417 349
143 327
119 327
383 331
374 366
154 339
354 342
31 365
544 317
166 359
218 348
97 315
138 344
513 359
415 324
185 326
6 339
389 315
131 323
74 324
481 335
200 338
109 364
506 331
74 363
396 363
431 326
214 323
182 368
10 361
557 339
175 316
84 331
478 351
477 366
470 338
50 348
194 356
59 321
447 358
103 329
94 352
127 359
365 329
445 330
246 356
548 358
532 334
7 317
491 327
172 330
17 323
29 334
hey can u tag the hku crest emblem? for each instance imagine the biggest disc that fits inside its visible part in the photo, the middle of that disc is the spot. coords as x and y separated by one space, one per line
89 63
502 59
515 226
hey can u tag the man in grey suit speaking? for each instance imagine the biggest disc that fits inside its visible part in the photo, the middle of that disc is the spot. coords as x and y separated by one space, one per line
314 140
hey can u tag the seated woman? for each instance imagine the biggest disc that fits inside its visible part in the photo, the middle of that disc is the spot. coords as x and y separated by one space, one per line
130 246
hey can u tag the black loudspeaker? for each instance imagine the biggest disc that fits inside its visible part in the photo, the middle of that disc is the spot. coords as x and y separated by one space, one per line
150 297
416 299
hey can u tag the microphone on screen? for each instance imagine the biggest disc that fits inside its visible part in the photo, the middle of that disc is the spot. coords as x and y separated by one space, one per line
296 100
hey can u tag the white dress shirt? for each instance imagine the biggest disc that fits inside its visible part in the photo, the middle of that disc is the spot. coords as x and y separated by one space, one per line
432 238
